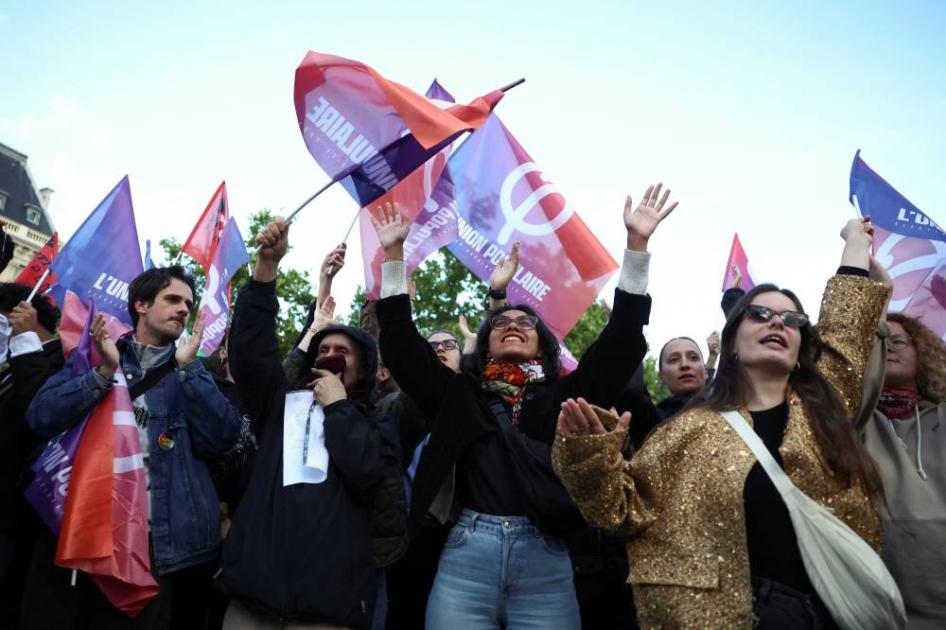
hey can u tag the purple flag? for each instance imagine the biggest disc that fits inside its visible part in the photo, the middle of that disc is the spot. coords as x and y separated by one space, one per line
908 243
215 300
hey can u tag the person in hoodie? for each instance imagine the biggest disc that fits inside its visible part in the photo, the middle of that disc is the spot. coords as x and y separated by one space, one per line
303 554
906 436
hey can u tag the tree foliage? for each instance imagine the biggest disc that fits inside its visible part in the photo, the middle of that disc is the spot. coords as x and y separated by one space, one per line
294 288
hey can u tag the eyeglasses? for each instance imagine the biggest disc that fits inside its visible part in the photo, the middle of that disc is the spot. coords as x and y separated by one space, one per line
523 322
759 313
899 342
446 344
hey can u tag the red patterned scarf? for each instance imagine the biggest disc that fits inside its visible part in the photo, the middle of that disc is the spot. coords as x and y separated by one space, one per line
509 381
896 402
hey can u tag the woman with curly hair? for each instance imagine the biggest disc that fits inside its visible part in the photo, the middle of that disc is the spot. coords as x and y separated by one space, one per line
710 541
906 436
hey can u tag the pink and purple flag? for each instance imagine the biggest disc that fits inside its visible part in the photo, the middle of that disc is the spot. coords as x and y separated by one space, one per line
426 197
90 489
214 308
908 243
738 259
98 263
502 197
369 132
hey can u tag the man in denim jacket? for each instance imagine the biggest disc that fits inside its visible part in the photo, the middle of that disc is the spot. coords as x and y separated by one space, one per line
183 420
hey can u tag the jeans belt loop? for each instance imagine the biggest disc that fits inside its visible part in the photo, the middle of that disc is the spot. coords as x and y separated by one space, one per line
472 527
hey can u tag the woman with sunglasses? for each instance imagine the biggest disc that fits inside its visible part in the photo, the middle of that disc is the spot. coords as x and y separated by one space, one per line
712 543
504 563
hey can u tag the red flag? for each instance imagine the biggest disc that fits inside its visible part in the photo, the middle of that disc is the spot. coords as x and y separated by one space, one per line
34 271
104 530
204 238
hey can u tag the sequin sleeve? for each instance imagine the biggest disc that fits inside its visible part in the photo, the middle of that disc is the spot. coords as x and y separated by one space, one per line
593 470
850 310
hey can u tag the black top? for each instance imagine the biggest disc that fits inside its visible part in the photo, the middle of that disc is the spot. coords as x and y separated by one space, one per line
770 536
483 479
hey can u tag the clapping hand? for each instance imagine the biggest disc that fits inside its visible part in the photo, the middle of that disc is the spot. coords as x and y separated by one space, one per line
187 349
578 418
105 346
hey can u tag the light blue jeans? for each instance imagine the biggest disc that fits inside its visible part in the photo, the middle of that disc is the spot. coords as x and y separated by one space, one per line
502 572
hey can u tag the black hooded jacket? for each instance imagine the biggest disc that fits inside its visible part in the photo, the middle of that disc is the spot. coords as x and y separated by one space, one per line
303 553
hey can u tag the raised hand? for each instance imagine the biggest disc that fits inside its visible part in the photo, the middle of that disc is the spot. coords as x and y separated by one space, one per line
392 229
504 272
105 346
858 235
273 241
861 229
23 319
333 262
324 315
469 337
642 222
578 418
736 274
187 349
712 343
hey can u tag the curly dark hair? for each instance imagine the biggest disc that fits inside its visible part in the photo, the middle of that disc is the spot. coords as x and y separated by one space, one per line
47 314
830 424
930 357
473 364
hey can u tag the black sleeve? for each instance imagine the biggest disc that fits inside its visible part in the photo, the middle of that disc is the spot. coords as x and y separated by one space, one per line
254 351
411 360
730 297
611 360
846 270
29 371
636 399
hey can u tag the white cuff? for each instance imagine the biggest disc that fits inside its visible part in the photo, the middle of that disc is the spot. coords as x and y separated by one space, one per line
393 278
24 343
634 272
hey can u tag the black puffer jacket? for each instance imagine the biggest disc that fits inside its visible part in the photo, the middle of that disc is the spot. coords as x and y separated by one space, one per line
303 553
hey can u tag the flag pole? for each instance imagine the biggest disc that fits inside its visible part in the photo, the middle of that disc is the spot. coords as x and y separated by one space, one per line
39 283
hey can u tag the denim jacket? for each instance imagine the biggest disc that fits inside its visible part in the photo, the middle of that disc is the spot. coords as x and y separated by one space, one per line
185 406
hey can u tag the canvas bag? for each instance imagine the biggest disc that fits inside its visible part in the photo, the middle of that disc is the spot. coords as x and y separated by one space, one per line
847 573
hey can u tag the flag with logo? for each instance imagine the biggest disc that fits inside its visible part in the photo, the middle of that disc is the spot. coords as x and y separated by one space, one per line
503 197
98 263
31 274
908 243
739 260
426 198
204 238
214 307
90 489
372 132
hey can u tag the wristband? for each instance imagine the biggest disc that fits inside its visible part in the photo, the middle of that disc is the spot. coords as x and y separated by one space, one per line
497 294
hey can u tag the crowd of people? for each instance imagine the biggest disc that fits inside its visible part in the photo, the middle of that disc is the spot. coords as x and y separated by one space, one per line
379 476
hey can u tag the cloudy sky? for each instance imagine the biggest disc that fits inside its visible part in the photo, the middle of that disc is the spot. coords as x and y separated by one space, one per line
751 112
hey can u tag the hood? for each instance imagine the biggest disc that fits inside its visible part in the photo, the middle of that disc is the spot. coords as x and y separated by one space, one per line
366 344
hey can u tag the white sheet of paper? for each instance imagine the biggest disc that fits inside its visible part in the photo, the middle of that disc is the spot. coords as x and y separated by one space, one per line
304 456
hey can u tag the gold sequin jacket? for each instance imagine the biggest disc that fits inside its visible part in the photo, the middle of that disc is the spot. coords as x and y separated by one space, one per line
680 498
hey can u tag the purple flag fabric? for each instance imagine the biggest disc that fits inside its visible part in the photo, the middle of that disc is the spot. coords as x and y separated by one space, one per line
908 243
215 300
102 257
47 490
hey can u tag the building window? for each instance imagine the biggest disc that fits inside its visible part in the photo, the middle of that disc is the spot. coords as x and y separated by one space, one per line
33 215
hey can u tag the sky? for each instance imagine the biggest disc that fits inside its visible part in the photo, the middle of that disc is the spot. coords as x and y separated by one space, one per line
750 111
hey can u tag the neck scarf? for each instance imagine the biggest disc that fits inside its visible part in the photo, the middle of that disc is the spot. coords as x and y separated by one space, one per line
509 380
896 402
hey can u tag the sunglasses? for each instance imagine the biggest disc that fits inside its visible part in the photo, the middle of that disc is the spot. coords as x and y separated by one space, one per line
898 342
759 313
523 322
446 344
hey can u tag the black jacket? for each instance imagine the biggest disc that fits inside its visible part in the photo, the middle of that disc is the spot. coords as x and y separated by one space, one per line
18 444
302 553
460 408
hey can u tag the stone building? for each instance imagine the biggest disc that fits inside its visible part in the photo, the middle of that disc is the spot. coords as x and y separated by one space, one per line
23 210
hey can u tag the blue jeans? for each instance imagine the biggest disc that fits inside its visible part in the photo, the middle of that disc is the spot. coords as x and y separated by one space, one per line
502 572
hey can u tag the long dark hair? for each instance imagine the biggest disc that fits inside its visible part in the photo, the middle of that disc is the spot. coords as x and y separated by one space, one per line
548 345
832 427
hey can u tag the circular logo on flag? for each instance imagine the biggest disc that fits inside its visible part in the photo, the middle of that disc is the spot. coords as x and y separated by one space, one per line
515 215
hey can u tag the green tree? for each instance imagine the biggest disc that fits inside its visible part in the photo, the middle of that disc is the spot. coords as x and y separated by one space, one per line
444 290
586 329
655 387
294 288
